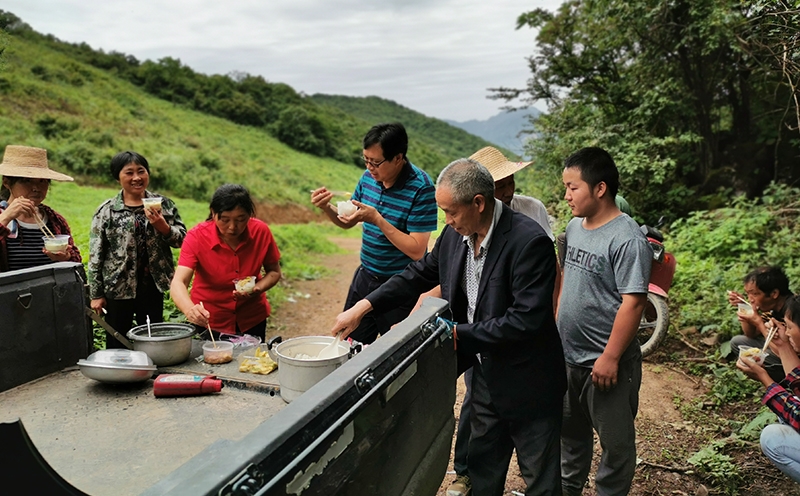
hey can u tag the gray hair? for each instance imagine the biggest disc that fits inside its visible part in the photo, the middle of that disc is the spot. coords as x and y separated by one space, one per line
466 178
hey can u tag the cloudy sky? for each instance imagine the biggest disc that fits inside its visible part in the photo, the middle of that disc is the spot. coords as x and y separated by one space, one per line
435 56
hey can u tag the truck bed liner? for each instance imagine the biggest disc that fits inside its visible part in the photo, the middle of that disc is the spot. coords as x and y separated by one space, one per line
120 439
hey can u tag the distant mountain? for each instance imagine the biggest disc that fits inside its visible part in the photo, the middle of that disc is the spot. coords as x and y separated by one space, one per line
503 129
432 142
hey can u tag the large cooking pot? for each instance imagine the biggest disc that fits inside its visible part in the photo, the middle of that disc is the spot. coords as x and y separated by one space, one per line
167 343
298 365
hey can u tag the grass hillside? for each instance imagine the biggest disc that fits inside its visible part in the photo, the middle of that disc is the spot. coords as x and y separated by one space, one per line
84 104
83 116
441 137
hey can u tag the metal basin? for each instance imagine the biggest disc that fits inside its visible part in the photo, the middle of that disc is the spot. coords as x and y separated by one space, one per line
117 366
167 344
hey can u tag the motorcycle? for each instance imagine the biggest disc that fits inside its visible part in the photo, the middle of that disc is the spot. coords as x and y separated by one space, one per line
655 317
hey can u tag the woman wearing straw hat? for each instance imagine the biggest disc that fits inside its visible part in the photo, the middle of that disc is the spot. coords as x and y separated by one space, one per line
130 248
23 216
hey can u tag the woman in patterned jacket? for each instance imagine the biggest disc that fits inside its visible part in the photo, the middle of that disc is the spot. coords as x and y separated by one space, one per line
130 256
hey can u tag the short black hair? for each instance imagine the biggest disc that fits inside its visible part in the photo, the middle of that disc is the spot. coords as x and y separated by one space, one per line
392 137
122 159
596 166
793 309
769 278
229 196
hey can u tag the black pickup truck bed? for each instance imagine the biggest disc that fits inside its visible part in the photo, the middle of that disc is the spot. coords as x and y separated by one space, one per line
380 424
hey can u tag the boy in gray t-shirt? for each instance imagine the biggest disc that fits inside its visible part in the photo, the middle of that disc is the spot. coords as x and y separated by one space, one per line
606 273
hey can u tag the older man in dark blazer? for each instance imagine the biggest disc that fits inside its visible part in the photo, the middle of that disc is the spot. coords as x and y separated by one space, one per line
497 269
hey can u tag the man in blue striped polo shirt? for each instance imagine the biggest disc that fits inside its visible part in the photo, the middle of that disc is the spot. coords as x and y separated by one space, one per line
396 204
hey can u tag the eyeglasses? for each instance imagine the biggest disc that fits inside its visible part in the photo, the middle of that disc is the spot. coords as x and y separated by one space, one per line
371 162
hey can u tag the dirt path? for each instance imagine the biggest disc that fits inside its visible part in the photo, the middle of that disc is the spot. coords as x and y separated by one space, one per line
316 304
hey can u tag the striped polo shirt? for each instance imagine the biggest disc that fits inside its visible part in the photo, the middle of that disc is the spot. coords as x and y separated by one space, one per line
409 205
25 249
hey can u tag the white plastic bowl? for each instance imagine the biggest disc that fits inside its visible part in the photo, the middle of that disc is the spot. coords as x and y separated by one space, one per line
57 243
219 352
754 354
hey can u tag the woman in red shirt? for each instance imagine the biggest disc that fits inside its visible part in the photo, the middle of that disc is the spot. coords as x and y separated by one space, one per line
230 245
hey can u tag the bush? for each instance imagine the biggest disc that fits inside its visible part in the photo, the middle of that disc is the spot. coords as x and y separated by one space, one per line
52 127
194 177
80 158
302 130
715 249
717 467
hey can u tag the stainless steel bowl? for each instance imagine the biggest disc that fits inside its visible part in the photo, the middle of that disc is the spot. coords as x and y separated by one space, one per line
117 366
166 344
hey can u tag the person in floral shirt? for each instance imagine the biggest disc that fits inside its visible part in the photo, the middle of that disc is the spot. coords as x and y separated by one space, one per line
130 255
26 180
781 442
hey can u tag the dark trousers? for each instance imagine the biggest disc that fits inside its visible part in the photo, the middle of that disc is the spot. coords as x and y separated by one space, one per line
494 438
121 313
611 413
463 430
373 323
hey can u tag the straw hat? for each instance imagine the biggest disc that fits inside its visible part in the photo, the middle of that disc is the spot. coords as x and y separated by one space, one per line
27 161
498 165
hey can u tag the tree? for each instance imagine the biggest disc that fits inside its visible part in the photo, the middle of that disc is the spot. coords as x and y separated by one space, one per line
772 38
669 89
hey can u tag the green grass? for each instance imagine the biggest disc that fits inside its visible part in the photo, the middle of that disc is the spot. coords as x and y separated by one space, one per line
300 244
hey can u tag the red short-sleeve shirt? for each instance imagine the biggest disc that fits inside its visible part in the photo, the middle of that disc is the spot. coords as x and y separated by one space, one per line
216 265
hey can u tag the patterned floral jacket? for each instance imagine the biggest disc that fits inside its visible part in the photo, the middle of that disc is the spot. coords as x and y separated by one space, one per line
112 249
55 222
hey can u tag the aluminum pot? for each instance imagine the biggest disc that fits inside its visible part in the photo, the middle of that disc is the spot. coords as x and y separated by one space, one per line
298 367
167 343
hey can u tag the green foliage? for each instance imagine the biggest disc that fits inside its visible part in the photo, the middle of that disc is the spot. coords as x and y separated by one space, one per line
752 430
685 95
717 467
715 249
300 246
730 385
302 130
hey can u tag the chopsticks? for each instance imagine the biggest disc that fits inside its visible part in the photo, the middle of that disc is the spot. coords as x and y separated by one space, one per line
740 298
42 226
208 325
335 192
771 334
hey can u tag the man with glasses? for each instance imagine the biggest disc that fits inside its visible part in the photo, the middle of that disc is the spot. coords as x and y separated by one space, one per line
396 203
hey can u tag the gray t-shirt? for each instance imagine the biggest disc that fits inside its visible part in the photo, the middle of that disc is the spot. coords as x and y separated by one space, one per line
601 265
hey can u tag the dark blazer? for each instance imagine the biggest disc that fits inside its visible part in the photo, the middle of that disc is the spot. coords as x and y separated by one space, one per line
513 328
